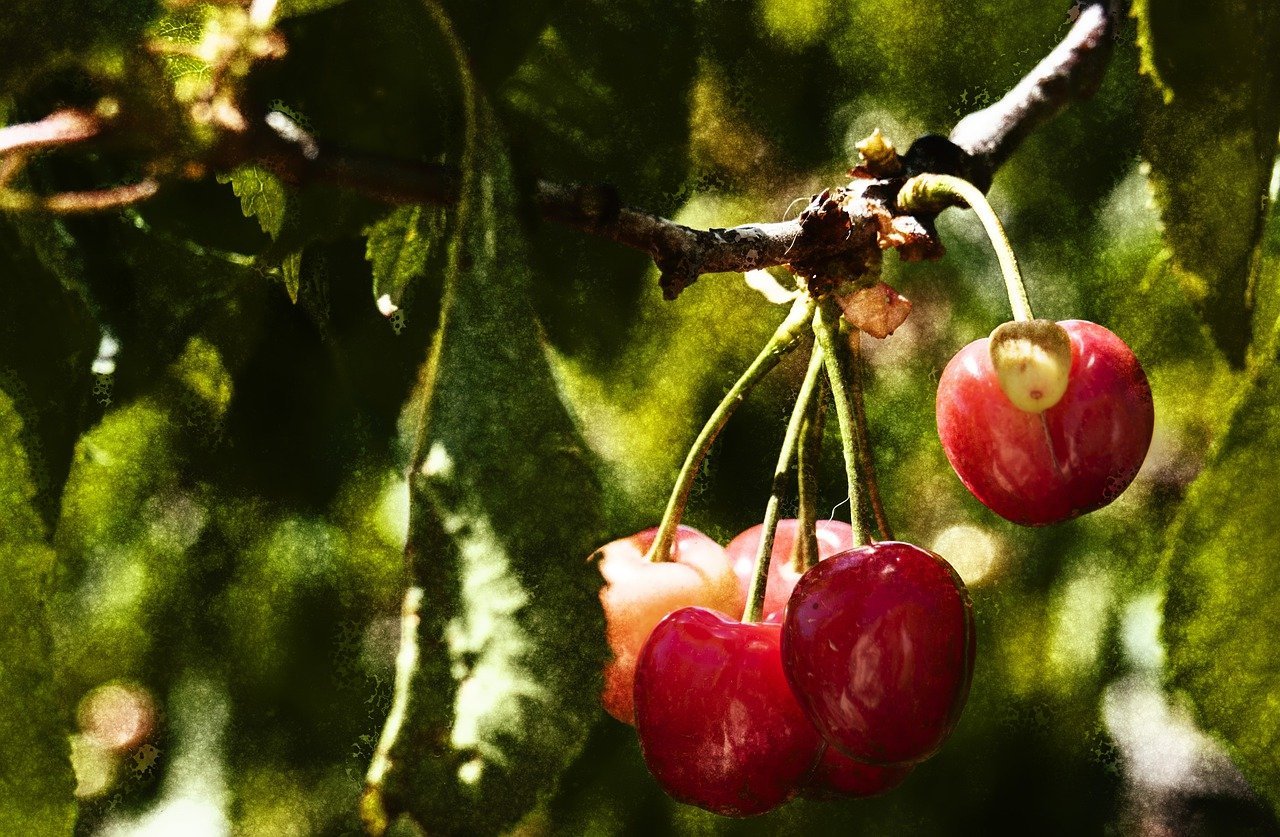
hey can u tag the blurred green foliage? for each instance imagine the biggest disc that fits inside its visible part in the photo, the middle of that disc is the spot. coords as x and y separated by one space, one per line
214 511
35 779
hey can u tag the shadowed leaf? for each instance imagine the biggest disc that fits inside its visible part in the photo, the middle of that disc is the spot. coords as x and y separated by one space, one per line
398 247
1211 115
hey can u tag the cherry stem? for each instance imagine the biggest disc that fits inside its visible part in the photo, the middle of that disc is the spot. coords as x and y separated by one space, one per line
783 341
927 191
790 442
804 552
865 458
835 352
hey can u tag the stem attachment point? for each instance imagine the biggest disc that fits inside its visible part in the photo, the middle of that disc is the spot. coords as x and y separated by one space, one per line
933 192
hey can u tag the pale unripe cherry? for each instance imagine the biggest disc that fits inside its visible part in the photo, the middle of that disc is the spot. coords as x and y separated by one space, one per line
1032 359
638 593
1041 468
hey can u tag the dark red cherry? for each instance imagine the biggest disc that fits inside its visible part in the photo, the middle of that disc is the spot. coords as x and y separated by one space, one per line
1076 456
878 645
719 727
836 776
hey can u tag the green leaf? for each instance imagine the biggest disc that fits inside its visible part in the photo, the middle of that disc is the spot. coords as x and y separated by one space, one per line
371 77
36 781
578 103
496 50
261 195
1211 115
1222 609
604 95
291 271
505 508
398 248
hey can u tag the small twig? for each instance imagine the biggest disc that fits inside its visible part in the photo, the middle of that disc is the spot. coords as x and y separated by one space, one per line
62 127
73 203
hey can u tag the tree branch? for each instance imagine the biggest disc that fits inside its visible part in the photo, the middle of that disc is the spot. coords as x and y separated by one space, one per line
1071 72
838 237
683 253
62 127
842 232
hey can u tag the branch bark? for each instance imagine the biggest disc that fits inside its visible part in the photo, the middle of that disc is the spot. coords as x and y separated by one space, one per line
1071 72
840 234
978 145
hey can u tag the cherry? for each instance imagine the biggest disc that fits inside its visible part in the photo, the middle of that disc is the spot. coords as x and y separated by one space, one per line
878 645
836 776
639 592
833 536
719 726
1076 456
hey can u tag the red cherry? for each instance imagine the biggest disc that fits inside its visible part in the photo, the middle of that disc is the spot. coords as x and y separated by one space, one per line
638 593
719 726
878 645
836 776
833 536
1040 468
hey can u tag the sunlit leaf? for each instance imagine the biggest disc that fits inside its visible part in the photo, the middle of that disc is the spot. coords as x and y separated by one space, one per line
1222 608
1211 116
130 518
261 195
505 510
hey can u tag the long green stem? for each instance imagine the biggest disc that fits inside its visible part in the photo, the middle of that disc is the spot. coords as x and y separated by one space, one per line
783 340
804 553
927 190
865 457
826 327
790 441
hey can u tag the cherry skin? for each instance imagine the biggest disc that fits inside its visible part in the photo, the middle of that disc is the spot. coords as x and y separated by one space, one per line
1041 468
833 536
638 593
719 727
878 645
836 776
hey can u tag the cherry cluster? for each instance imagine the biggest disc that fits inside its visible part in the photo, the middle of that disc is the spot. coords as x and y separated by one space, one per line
853 658
857 672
